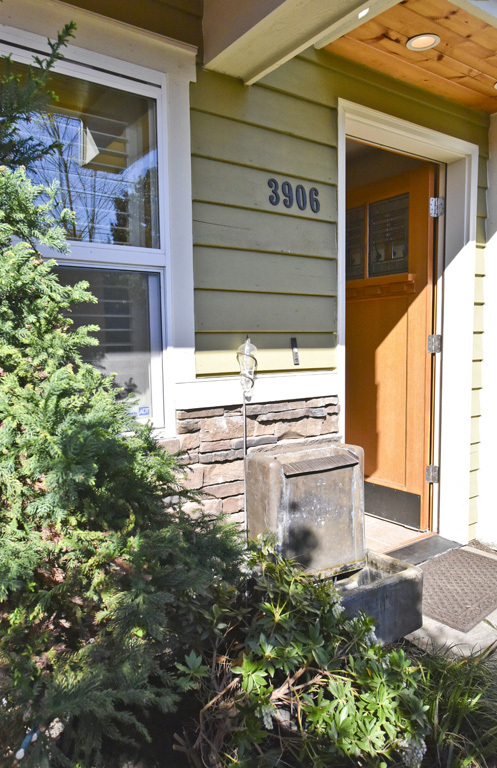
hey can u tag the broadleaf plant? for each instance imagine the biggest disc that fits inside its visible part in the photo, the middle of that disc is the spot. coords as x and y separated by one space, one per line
294 682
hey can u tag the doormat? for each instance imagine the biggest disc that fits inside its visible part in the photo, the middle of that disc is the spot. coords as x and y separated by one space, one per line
460 588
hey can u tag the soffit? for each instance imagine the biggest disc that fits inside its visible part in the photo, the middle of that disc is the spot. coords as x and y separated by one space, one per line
462 67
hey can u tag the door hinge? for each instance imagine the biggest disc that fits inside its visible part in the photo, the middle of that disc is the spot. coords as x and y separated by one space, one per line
432 473
434 343
437 207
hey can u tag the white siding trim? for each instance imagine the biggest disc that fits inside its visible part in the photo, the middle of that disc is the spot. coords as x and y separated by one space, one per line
216 391
341 273
487 512
458 285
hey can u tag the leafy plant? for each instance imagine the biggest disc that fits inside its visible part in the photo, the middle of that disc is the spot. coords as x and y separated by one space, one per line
291 681
104 580
461 697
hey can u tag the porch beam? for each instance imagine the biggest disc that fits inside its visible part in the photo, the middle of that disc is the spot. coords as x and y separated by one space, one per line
248 40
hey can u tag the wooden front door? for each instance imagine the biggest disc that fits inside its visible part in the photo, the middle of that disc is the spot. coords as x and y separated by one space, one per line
390 305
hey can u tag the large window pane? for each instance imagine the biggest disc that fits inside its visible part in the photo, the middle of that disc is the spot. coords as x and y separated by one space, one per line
107 161
128 314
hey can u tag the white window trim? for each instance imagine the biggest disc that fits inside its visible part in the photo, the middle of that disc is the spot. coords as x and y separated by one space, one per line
454 385
143 56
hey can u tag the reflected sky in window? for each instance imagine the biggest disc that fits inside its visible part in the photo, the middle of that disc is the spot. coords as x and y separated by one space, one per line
105 164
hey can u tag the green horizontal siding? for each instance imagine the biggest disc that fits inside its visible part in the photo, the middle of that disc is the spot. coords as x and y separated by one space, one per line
316 350
248 145
248 188
235 311
233 270
263 270
263 107
228 227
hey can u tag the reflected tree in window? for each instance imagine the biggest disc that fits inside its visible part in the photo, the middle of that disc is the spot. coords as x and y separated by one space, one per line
105 160
83 189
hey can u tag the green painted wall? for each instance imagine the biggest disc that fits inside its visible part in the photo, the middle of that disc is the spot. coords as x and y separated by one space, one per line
262 269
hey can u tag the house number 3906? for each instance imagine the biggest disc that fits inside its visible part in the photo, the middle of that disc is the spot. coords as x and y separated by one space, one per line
286 194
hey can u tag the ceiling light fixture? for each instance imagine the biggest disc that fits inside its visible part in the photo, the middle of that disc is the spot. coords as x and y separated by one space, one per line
423 42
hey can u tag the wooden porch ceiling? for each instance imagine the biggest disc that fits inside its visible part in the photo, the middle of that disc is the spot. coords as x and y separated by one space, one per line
462 67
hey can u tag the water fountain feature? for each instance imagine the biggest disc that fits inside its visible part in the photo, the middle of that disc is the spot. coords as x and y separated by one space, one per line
312 498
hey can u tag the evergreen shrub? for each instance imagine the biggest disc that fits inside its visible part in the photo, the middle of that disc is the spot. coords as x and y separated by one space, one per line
103 577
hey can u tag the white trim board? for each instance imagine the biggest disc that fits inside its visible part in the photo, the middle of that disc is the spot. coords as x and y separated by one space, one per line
226 390
487 519
454 387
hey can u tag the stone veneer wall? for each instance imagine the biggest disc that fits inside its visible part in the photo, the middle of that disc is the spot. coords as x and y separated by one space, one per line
212 442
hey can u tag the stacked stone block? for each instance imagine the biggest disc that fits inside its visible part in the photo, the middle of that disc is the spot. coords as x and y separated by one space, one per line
211 440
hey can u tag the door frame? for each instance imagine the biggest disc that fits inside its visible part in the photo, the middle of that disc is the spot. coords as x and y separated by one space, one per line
455 294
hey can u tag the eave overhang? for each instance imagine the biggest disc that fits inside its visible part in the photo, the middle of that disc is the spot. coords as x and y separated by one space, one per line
249 40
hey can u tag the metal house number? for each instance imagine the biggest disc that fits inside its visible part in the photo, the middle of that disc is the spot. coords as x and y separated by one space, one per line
286 195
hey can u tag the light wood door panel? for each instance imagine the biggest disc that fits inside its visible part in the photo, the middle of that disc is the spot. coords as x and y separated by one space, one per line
377 334
388 370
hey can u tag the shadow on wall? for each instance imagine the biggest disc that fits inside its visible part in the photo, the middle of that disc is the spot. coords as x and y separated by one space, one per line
301 543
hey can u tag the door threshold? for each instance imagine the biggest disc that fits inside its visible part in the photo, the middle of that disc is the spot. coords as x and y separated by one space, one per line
383 536
398 524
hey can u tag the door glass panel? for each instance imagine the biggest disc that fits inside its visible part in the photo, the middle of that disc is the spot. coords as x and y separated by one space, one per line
105 163
355 243
389 236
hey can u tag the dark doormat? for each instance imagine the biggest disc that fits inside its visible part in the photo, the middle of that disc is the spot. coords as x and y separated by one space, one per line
424 549
460 588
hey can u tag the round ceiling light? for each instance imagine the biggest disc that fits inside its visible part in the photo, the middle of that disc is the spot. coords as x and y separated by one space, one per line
423 42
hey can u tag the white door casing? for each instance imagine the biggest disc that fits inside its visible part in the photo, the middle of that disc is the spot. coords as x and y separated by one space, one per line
455 290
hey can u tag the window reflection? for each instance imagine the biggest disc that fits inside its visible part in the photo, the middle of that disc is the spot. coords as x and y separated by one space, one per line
106 163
